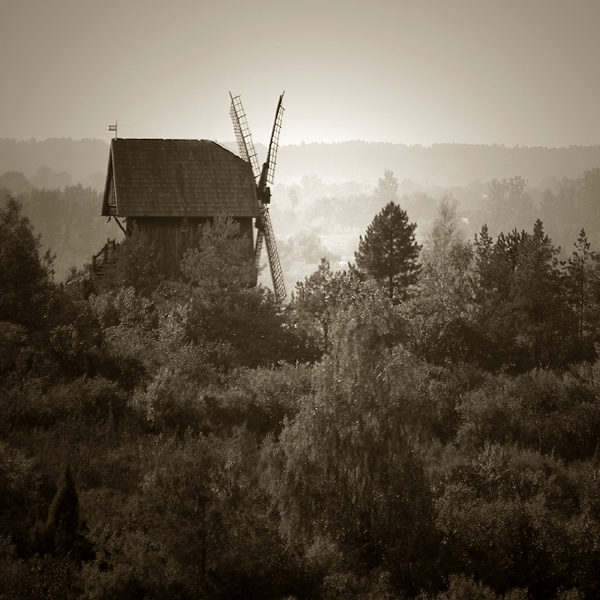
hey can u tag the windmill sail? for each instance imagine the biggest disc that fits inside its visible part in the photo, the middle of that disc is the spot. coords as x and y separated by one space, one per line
263 177
276 272
243 135
269 167
274 143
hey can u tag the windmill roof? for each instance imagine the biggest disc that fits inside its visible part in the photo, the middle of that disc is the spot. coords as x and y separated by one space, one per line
177 178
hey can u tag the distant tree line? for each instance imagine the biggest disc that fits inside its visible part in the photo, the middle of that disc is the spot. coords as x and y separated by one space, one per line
440 164
56 162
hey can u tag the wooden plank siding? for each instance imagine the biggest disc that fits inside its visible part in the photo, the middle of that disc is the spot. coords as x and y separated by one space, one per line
172 236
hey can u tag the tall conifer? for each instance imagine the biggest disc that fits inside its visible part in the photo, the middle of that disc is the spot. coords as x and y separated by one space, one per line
388 252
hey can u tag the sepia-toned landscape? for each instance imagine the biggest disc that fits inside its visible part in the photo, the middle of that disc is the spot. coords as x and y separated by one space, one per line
339 342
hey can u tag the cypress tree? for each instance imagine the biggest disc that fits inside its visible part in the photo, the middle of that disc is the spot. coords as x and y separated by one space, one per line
62 524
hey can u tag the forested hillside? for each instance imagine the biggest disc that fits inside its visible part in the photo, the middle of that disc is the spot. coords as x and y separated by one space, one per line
423 423
67 220
85 161
78 161
435 165
315 217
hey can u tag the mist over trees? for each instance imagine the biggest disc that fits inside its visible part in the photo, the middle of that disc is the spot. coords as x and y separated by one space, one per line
196 439
66 219
315 219
442 165
328 196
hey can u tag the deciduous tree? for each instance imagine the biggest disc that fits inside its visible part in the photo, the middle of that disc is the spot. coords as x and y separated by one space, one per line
510 203
346 470
133 265
316 301
445 263
442 301
221 259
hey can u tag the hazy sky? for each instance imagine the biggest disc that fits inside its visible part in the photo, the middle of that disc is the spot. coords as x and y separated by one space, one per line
409 71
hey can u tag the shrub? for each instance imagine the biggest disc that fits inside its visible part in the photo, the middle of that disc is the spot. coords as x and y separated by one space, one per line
83 401
549 412
19 490
505 518
467 588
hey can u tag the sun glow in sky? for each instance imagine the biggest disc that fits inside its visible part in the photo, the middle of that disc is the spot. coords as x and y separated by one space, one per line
406 71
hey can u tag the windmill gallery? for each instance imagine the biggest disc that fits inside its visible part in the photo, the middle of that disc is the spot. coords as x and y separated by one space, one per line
168 189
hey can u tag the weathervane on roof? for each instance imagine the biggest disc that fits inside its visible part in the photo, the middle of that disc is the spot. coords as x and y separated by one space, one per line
113 128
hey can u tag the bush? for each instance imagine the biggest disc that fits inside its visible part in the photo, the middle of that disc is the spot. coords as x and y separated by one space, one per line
440 393
19 490
261 399
47 578
84 401
505 517
467 588
543 410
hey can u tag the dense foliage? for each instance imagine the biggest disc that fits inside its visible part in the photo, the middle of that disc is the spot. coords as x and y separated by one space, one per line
194 439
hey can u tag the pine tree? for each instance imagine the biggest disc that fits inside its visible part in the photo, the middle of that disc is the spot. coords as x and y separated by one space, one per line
63 514
60 532
493 271
388 252
583 286
543 320
484 277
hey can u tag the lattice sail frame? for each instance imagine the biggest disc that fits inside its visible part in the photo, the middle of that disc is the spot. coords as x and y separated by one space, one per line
243 135
276 272
274 142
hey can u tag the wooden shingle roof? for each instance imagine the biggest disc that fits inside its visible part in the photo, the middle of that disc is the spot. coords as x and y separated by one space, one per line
177 178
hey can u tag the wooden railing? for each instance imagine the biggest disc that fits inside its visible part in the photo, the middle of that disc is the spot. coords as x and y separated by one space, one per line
100 260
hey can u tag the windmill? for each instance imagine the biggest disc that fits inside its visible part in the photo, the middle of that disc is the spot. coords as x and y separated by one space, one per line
264 177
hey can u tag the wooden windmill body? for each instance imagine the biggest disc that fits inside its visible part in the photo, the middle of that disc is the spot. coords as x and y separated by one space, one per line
168 189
